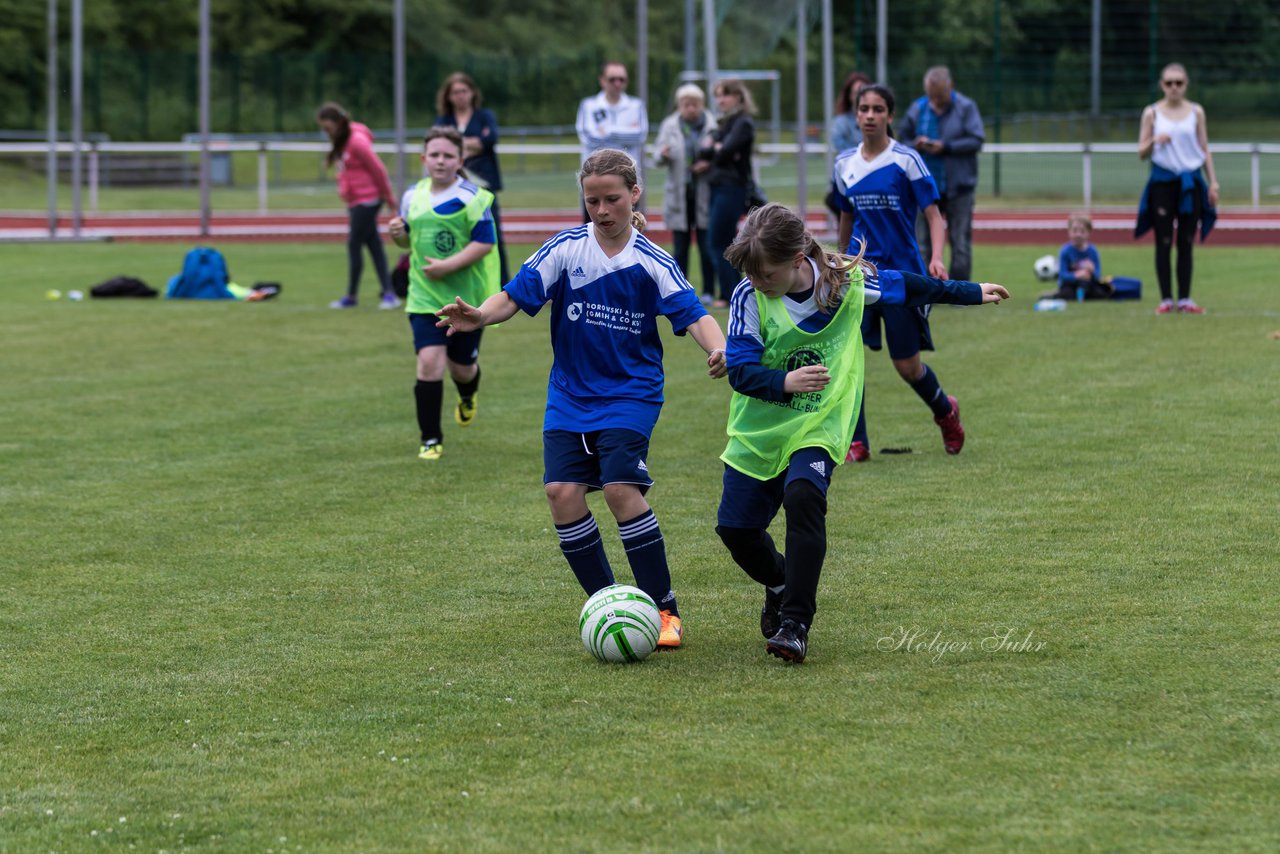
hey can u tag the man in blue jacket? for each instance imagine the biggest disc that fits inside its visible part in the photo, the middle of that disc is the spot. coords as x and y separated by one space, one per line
946 128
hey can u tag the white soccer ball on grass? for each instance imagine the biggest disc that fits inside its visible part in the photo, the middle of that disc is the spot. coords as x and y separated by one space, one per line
1046 267
620 623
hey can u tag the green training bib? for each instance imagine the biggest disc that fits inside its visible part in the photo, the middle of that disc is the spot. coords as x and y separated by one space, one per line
764 434
432 235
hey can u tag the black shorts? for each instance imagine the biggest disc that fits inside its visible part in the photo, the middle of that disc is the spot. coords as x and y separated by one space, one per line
462 348
907 329
596 459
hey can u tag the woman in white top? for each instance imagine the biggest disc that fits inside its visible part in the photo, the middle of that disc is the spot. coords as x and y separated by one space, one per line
1182 187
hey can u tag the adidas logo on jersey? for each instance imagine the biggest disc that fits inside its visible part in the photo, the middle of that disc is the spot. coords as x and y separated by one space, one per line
820 467
578 273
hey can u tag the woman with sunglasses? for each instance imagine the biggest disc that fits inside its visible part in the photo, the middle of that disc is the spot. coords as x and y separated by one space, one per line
1182 188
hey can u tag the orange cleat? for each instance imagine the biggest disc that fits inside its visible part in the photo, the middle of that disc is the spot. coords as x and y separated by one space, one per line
672 633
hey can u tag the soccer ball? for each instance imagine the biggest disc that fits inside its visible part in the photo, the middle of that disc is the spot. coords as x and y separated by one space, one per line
620 623
1046 268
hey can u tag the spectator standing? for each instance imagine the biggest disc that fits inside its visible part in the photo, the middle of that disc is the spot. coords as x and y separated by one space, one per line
1182 188
844 123
946 128
612 119
687 201
458 106
726 158
364 186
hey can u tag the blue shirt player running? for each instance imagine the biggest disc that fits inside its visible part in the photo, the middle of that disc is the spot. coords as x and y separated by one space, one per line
795 364
880 186
607 285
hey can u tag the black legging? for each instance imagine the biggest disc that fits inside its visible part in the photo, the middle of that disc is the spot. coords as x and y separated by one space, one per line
363 232
1162 201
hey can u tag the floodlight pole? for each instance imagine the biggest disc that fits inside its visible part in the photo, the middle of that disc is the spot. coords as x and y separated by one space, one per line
642 71
709 38
398 88
77 91
882 41
1095 63
690 34
802 118
51 119
204 118
828 83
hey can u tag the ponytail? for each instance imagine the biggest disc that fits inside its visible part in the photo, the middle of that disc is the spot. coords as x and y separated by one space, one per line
774 234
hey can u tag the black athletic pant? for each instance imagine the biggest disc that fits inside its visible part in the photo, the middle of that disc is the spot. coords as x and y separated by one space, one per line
363 232
806 550
1162 201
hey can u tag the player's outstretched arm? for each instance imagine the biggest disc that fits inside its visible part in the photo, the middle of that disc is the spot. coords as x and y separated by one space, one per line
461 317
706 331
993 293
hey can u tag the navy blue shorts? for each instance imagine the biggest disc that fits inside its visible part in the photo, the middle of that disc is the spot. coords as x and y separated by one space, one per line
907 329
596 459
750 503
462 348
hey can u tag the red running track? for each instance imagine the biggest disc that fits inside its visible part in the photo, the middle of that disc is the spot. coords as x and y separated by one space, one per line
1009 226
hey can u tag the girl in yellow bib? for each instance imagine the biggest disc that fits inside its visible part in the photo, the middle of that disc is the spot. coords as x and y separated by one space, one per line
794 355
447 224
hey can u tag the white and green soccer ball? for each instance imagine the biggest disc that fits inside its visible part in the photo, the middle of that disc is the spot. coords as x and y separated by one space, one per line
620 623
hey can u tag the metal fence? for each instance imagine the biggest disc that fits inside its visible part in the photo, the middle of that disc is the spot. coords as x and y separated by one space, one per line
1049 173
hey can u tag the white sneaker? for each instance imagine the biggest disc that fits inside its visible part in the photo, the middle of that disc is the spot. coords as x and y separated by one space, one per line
389 301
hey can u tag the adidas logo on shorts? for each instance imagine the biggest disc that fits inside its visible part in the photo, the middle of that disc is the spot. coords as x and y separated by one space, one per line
820 467
640 465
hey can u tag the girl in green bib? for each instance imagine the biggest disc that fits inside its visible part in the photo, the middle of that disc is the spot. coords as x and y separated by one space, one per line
794 355
447 223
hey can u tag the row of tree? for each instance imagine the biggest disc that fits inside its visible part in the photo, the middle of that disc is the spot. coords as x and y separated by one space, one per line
275 59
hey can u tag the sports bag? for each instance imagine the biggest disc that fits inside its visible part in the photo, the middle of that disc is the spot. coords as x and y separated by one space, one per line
203 276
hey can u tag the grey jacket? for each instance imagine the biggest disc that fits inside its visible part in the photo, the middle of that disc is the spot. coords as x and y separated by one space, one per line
674 209
962 137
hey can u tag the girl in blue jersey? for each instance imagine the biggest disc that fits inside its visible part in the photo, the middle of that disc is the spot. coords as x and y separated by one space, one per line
795 364
607 285
880 186
447 222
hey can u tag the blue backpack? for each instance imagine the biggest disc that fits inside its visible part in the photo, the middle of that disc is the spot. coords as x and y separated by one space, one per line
203 276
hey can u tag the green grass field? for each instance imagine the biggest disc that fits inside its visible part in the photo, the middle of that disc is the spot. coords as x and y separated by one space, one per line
238 614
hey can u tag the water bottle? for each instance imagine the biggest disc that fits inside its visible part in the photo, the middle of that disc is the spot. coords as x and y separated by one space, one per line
1079 293
1051 305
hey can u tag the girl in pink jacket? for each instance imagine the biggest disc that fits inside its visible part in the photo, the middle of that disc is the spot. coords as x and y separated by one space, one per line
364 186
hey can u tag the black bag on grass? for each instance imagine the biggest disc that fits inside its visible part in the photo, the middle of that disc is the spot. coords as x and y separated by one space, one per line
123 286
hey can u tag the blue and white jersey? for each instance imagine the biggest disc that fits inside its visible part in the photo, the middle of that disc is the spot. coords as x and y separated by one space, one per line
607 368
458 195
745 341
884 195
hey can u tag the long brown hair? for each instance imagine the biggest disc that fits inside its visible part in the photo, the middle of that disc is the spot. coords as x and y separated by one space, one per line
332 111
444 106
734 86
610 161
855 81
773 234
